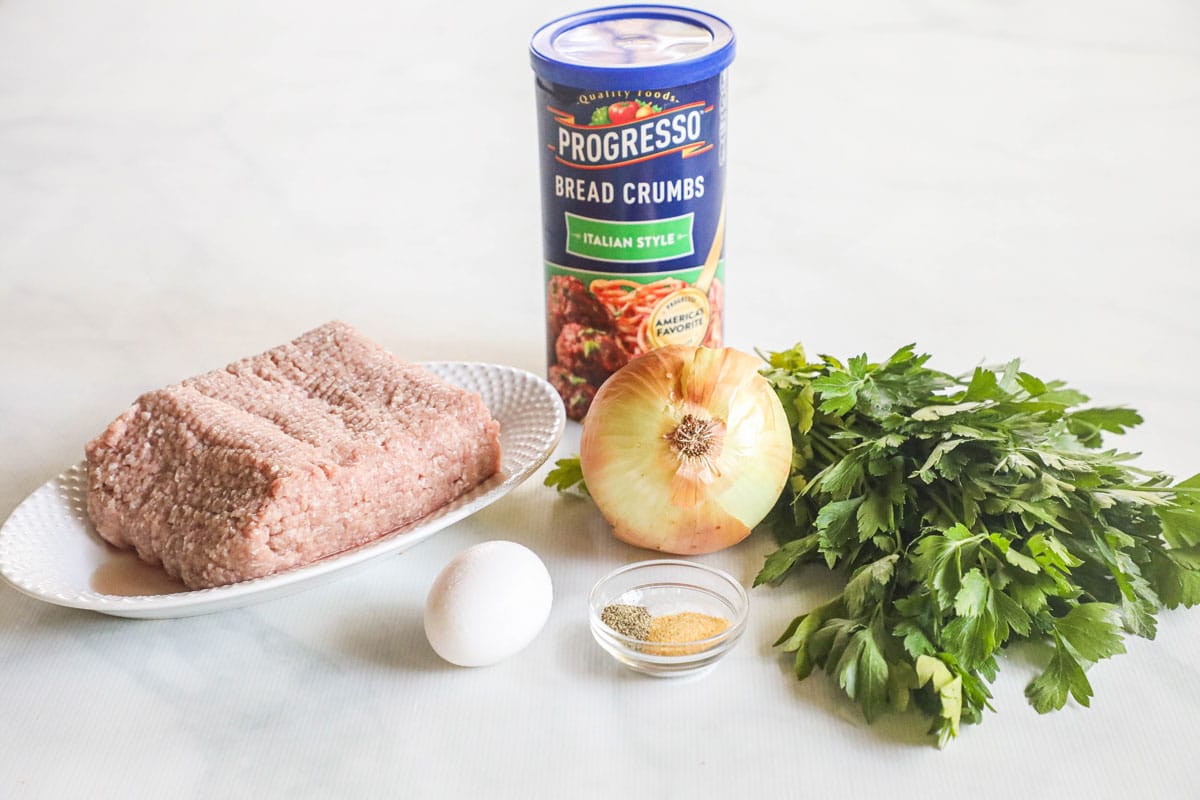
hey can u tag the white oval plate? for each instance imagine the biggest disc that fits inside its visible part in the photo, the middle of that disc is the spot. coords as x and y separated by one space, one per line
49 550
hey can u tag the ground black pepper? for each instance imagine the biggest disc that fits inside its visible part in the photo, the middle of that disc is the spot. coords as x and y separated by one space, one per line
627 620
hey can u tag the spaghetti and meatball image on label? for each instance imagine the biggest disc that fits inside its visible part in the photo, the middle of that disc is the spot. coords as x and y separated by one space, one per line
595 328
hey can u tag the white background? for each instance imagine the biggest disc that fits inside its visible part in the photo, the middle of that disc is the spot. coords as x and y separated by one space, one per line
185 183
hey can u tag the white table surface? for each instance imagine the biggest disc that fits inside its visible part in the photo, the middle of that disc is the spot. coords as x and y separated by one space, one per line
185 183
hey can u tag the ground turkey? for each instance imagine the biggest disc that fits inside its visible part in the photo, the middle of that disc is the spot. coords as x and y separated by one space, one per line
575 391
283 458
589 353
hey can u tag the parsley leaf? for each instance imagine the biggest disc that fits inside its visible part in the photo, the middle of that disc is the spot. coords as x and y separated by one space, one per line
566 474
1064 675
1092 630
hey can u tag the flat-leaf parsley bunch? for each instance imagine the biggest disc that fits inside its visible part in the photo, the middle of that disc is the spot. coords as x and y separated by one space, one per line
968 513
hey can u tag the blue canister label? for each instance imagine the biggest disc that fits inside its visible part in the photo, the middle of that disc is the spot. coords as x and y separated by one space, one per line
633 218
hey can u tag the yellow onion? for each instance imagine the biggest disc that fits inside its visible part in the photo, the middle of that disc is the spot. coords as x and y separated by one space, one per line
686 449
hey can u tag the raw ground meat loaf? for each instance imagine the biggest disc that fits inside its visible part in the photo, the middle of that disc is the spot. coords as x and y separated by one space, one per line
283 458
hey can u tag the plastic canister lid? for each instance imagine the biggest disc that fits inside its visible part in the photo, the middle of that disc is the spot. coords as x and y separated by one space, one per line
649 46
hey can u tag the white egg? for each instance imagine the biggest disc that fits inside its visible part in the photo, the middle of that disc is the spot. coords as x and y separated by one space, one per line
487 604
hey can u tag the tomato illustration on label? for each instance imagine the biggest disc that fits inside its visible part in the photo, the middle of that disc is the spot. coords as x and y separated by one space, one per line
622 112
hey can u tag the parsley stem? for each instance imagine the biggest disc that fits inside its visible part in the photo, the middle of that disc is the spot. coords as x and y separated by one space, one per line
1157 489
824 447
944 506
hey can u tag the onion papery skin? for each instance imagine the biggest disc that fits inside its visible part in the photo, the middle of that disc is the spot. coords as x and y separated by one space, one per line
652 494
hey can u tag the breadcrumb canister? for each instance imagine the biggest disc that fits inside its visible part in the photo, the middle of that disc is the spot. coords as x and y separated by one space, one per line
632 119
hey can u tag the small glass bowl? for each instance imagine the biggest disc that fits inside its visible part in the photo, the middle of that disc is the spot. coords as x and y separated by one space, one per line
665 587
